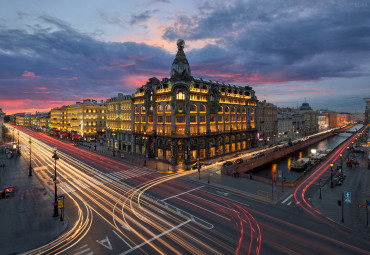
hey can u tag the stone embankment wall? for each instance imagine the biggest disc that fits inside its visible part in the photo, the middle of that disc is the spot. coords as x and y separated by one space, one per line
273 155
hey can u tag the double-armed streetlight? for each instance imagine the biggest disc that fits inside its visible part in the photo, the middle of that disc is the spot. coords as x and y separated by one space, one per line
55 157
30 167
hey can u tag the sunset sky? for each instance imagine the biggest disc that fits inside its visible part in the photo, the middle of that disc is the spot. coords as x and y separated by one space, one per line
54 53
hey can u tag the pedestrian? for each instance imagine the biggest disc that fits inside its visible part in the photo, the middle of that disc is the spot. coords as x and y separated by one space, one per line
250 175
234 173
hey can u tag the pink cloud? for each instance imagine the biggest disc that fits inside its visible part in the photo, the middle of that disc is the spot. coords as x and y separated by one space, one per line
66 68
29 74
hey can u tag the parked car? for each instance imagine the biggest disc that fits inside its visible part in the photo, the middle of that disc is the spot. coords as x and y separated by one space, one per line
238 161
255 155
228 163
208 164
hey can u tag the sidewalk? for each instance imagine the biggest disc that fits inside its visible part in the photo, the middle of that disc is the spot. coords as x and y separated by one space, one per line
26 220
158 165
356 182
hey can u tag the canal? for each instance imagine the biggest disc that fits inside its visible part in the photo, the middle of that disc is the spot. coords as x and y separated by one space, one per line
271 170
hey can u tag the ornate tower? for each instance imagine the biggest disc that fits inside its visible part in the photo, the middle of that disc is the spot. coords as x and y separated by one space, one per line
180 70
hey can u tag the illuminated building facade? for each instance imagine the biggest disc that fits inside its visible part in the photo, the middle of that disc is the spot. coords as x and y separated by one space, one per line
119 122
86 119
58 118
184 118
40 120
23 119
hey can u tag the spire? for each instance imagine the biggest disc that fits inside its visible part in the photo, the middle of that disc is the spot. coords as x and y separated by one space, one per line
180 67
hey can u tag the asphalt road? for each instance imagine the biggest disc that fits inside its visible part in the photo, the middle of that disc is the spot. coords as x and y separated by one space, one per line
118 208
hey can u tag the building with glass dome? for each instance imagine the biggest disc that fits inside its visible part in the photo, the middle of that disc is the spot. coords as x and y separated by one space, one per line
184 118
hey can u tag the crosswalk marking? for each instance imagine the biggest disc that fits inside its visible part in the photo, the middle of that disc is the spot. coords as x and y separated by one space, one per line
287 199
130 173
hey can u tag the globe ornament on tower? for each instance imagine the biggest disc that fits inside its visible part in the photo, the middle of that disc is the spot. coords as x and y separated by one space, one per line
180 70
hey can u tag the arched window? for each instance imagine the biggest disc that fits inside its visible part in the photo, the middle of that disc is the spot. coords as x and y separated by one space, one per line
159 108
220 109
202 108
180 95
143 109
193 108
233 109
238 111
227 109
168 108
244 110
136 109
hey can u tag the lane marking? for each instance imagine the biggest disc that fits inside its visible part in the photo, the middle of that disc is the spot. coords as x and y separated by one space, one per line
204 209
182 193
83 246
227 198
154 238
287 199
289 203
83 251
122 239
201 198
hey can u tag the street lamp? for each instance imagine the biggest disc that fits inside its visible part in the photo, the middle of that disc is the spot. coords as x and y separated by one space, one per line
320 188
55 157
30 167
18 143
331 175
341 162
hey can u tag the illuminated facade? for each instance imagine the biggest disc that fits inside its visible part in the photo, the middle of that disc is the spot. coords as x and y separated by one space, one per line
86 119
185 118
58 118
119 122
23 119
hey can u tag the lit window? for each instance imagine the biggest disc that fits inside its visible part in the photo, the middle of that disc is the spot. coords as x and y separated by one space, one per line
180 95
193 108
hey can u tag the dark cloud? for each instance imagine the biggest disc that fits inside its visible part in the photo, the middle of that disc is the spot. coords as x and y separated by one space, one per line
142 17
72 65
281 40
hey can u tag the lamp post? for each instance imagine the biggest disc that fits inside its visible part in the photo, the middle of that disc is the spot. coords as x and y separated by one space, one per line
320 188
55 157
18 143
331 175
341 163
30 167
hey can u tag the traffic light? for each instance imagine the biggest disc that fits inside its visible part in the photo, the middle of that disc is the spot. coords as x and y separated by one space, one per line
339 203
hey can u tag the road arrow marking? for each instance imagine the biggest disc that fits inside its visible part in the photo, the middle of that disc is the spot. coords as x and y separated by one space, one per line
124 226
106 243
222 193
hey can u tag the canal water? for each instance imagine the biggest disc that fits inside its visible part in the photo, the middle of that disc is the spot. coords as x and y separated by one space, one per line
271 170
